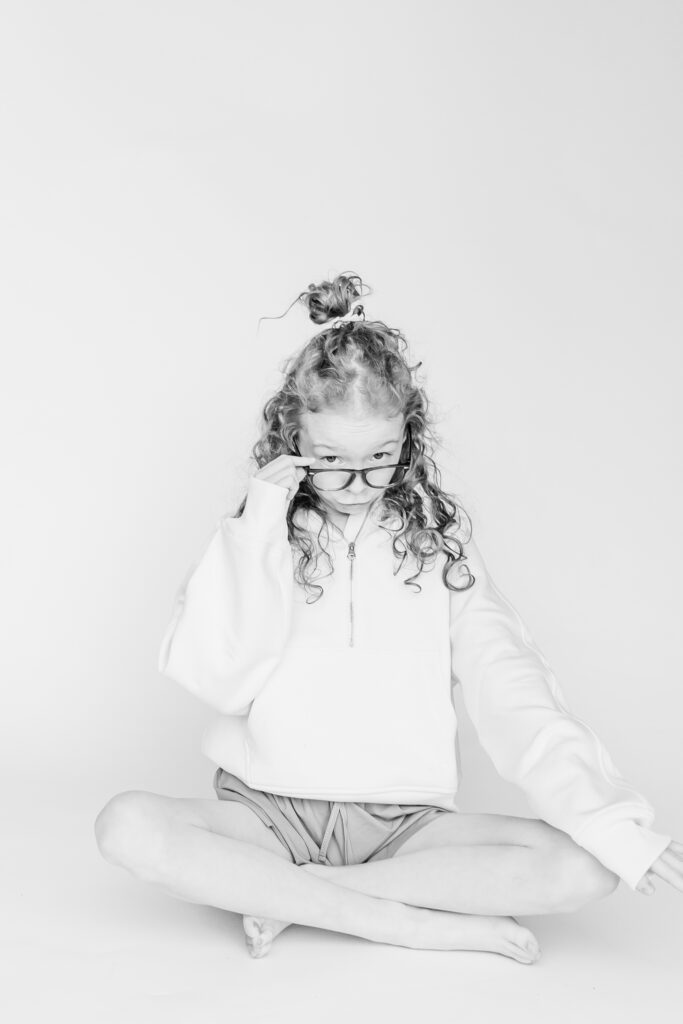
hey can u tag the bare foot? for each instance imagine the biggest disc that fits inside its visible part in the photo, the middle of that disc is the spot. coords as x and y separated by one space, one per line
518 942
260 932
442 929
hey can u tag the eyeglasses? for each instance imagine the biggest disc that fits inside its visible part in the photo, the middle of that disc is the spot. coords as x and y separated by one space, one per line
376 476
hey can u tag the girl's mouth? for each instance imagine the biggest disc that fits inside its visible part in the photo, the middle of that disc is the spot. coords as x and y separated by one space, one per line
352 504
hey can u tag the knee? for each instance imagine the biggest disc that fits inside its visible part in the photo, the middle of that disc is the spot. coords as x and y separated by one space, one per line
581 878
129 830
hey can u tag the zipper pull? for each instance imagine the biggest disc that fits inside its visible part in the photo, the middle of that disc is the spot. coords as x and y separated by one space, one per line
351 553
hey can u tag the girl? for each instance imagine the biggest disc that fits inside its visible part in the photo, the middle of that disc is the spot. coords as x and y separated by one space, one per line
326 623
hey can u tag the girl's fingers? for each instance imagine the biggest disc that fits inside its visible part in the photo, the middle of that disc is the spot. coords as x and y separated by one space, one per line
673 857
645 885
282 479
669 867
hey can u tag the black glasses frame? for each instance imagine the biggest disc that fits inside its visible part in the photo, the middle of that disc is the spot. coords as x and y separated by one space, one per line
352 472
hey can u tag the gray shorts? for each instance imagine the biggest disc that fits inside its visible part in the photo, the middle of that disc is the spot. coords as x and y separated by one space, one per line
325 832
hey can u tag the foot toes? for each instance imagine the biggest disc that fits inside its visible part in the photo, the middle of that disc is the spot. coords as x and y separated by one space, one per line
252 926
518 953
258 935
529 950
259 946
257 952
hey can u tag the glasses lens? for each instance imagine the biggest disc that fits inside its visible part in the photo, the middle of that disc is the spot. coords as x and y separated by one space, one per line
331 481
379 476
382 475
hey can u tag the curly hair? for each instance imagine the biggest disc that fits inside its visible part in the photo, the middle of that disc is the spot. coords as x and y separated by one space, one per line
362 360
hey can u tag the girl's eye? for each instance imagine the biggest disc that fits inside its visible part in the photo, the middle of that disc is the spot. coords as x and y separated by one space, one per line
323 457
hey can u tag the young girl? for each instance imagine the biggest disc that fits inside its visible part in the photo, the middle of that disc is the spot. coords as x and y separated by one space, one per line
326 623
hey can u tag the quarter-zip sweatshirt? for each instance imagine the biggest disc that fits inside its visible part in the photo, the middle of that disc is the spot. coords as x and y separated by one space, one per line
350 697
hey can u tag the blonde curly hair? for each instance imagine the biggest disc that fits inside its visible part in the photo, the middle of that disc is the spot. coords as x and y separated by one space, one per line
362 361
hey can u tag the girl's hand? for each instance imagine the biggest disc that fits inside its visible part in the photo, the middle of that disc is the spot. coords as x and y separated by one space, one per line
668 866
287 471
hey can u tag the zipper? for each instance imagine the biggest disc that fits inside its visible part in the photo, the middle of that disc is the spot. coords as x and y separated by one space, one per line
351 554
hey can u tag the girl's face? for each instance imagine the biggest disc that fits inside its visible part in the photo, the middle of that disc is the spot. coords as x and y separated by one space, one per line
351 439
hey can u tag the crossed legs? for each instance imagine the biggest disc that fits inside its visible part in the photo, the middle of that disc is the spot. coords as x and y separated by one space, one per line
449 895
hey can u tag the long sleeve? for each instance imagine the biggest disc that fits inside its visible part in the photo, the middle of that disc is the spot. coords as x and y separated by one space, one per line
232 615
534 740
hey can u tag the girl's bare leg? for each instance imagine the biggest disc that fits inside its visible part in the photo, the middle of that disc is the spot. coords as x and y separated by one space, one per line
201 866
495 879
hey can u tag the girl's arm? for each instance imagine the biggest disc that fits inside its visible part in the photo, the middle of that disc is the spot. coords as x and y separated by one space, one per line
232 614
535 741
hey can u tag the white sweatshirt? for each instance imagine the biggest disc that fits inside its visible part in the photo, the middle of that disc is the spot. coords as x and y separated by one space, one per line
350 697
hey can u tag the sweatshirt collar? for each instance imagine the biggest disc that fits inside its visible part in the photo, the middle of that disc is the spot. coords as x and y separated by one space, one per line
363 522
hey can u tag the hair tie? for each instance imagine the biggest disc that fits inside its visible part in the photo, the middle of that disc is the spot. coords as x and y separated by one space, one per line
357 312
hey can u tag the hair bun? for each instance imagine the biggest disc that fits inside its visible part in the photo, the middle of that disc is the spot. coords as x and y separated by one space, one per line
334 298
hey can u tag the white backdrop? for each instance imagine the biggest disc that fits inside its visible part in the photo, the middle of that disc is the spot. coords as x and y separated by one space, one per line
506 177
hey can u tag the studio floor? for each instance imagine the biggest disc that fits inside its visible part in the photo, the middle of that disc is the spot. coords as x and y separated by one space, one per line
86 941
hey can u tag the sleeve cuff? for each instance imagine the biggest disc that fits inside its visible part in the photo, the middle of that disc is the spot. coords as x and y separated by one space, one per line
624 847
265 512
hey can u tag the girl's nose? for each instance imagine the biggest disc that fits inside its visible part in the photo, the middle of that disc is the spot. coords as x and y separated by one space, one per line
356 487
